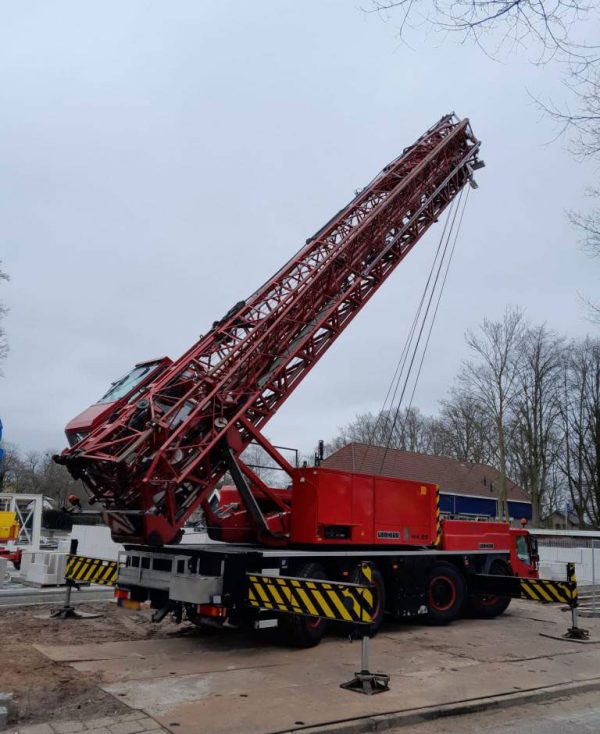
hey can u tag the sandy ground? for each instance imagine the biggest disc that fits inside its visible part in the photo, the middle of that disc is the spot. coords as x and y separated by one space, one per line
218 682
43 689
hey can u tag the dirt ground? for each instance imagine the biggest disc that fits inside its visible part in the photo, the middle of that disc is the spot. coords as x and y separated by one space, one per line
43 689
228 681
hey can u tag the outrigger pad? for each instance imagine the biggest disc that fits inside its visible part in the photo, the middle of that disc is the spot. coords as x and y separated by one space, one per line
71 613
368 683
567 637
576 633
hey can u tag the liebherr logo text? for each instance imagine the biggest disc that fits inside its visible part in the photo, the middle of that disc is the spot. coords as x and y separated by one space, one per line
388 534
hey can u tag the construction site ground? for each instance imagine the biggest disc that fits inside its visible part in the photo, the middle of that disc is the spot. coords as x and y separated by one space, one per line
133 676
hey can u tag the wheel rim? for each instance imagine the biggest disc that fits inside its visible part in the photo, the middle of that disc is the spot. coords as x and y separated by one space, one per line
442 593
491 600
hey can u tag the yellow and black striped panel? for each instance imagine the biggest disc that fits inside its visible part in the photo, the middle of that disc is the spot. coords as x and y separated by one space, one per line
551 592
312 597
84 570
438 518
572 581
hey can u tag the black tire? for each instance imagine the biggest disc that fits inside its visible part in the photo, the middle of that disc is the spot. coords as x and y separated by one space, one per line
488 606
379 592
446 591
303 631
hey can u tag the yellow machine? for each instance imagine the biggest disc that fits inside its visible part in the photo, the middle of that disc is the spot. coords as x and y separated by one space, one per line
9 527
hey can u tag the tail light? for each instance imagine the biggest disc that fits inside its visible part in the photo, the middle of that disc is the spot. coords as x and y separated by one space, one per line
123 600
212 610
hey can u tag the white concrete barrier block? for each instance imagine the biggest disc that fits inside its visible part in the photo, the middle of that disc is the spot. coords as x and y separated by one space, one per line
95 541
43 568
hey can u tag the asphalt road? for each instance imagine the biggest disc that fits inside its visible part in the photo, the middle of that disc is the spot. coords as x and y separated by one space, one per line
575 715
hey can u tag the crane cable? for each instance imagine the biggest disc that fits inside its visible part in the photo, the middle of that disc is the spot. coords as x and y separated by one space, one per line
437 305
395 381
400 366
419 322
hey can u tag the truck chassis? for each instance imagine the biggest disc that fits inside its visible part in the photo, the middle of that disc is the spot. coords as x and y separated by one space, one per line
208 583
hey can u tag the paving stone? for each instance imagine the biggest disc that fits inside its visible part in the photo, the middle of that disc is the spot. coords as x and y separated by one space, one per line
101 722
126 727
67 727
35 729
100 730
147 722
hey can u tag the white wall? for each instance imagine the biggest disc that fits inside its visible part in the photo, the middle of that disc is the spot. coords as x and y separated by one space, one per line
587 563
95 541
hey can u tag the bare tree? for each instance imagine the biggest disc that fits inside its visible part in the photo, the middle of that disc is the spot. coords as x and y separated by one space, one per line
549 31
588 226
264 467
36 473
535 435
408 430
10 469
466 434
580 412
492 378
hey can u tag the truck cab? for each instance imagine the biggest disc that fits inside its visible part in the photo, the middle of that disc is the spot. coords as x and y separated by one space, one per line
523 553
122 391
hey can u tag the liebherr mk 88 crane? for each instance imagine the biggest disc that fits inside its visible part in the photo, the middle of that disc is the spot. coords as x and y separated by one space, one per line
154 459
156 446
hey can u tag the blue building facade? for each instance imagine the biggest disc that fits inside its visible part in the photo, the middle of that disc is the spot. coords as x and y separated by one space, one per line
460 504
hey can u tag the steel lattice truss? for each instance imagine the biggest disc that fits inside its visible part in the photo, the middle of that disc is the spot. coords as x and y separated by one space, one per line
158 458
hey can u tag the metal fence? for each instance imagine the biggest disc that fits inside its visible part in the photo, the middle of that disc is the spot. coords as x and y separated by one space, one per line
585 554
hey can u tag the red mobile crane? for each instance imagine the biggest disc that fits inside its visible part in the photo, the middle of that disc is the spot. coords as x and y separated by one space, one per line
160 451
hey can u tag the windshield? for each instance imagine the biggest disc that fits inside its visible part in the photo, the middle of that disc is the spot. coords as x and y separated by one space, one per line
123 386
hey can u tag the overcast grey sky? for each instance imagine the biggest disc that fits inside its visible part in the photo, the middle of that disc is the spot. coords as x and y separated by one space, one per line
160 160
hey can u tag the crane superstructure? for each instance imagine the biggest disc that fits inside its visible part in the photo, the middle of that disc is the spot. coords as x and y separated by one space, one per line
157 458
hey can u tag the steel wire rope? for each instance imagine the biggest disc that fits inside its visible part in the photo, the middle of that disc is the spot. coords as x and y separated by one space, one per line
397 376
441 292
453 216
401 364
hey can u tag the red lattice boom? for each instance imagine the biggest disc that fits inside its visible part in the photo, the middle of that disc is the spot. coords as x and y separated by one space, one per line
158 458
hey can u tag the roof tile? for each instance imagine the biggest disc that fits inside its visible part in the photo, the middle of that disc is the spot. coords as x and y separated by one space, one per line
453 476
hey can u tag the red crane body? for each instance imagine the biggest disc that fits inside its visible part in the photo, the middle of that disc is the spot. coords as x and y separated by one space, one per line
154 460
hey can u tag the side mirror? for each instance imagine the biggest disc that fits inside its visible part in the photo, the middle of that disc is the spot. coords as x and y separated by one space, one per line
533 545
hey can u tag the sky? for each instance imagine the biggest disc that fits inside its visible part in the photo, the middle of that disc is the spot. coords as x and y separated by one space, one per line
161 160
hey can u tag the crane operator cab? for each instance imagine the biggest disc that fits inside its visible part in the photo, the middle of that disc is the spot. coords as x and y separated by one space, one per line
122 391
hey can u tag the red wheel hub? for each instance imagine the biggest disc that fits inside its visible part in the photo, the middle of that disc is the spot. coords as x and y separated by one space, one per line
442 593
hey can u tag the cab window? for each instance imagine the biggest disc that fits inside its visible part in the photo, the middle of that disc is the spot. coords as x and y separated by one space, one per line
122 387
523 549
